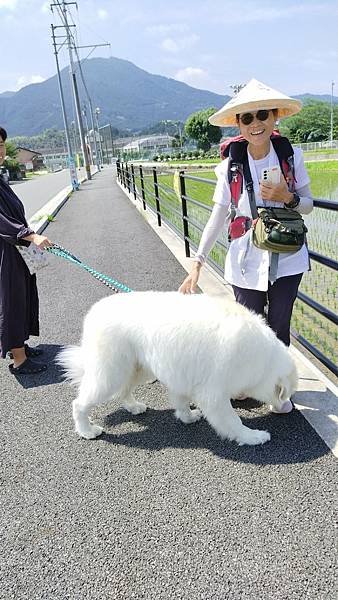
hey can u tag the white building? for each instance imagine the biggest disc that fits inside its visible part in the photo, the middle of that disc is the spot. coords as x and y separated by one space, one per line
158 143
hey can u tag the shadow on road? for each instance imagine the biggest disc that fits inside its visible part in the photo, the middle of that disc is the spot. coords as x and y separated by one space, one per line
53 374
293 440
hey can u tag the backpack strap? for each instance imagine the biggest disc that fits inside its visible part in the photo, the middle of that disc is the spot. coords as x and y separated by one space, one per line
249 187
236 152
285 155
239 171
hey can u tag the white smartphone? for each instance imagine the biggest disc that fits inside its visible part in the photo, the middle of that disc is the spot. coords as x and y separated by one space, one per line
270 175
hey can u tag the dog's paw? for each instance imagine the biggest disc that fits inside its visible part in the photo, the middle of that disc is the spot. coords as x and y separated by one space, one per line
136 408
91 432
190 416
195 415
254 437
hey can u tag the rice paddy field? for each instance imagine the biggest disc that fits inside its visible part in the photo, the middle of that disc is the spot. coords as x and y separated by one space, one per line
320 284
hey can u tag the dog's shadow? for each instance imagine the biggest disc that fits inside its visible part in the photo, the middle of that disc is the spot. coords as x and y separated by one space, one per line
292 438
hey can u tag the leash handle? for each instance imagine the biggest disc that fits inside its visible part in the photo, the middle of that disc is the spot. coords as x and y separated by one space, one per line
111 283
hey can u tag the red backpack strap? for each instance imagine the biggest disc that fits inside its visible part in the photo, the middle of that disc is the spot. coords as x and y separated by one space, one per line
236 181
236 152
225 146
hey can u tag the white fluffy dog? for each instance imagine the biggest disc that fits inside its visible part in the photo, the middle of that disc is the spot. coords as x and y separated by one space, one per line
203 351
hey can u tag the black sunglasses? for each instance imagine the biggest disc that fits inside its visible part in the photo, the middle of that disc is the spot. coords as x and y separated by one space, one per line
261 115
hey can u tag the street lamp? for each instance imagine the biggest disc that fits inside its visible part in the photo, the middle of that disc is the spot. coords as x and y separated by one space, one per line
97 112
331 128
87 137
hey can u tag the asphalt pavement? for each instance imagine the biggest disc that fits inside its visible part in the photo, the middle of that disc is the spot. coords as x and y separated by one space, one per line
153 509
36 192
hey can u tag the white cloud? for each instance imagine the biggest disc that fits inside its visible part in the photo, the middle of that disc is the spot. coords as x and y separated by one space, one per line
102 14
177 45
24 80
45 8
8 4
167 29
170 45
192 76
270 13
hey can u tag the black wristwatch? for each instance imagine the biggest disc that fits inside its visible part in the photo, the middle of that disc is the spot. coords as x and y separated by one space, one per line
294 203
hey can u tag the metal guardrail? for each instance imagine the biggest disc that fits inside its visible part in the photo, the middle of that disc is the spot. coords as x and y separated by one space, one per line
127 175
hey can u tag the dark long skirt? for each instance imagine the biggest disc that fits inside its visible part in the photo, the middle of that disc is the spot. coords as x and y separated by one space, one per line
19 303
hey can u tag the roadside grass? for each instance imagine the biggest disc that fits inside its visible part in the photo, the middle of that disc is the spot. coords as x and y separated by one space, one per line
33 174
322 151
194 161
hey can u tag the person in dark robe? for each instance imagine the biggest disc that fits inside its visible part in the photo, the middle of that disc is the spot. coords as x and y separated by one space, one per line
19 301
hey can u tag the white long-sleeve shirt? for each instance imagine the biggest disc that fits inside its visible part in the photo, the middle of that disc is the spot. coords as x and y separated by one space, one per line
247 266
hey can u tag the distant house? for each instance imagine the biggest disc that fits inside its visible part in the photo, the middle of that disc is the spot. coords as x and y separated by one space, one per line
153 142
32 160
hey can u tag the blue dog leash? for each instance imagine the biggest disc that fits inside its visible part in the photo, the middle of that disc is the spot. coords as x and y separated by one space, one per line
114 285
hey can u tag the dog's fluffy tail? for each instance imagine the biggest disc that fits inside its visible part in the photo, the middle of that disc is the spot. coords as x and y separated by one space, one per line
71 360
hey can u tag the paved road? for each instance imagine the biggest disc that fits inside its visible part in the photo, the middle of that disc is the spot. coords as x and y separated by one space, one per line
36 192
154 509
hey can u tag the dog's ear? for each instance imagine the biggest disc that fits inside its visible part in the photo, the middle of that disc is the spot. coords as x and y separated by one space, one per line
282 391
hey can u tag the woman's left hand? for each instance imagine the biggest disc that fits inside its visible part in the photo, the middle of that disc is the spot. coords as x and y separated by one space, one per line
41 241
276 192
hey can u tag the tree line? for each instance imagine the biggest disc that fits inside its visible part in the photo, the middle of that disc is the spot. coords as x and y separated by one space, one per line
311 124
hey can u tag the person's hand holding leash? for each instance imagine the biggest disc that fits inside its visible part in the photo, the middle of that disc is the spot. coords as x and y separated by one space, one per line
41 241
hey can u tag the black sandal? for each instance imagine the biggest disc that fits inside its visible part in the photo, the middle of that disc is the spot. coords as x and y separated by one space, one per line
29 367
30 352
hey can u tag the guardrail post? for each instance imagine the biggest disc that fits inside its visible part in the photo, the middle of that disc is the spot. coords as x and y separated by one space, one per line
184 214
142 188
157 197
118 171
123 175
133 180
128 177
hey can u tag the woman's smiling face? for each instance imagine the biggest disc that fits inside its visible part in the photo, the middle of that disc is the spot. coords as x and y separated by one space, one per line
258 131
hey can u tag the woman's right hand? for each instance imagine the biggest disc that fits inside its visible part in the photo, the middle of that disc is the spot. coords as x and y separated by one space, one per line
189 285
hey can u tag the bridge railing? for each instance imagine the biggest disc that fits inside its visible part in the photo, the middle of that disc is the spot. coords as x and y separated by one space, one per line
187 217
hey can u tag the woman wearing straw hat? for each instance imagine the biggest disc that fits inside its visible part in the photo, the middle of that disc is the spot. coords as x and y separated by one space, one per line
255 110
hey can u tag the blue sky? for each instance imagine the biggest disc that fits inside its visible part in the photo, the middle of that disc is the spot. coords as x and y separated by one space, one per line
208 44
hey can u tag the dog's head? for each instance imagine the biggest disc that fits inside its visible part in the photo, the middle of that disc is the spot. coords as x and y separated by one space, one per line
285 386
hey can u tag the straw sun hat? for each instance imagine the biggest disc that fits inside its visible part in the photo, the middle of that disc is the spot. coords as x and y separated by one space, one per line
255 96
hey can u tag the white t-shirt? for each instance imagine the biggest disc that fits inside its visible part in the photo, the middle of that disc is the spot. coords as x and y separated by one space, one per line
247 266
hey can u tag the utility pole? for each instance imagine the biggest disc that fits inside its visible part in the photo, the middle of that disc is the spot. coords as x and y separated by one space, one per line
62 6
71 162
331 128
87 135
97 112
93 46
112 141
93 130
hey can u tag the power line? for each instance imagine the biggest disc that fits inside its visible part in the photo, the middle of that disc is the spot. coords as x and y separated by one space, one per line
71 163
61 6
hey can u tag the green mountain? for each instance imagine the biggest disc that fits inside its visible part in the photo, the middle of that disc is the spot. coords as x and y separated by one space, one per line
317 97
7 94
129 98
